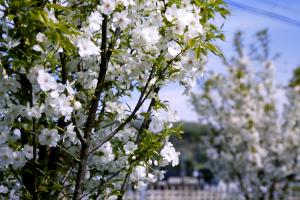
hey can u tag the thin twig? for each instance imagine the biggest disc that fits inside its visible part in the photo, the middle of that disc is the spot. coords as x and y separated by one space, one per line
69 153
77 131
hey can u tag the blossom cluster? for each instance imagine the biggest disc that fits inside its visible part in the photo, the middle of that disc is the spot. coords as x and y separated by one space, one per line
66 68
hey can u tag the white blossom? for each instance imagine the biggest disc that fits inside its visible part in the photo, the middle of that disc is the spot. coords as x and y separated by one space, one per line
108 6
130 147
71 135
95 21
40 37
46 81
51 14
117 108
121 20
157 123
3 189
150 35
61 104
49 137
19 159
28 151
173 49
107 151
37 48
6 156
138 173
35 112
169 154
16 133
77 105
87 47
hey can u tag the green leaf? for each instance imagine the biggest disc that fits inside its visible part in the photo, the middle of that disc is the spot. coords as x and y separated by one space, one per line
42 17
58 7
192 43
214 49
198 51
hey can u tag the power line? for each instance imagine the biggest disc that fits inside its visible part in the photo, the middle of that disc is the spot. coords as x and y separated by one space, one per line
280 6
266 13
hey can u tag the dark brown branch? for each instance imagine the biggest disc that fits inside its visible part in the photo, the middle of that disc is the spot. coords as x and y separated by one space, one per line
100 82
92 114
90 123
147 120
123 187
63 61
34 195
54 151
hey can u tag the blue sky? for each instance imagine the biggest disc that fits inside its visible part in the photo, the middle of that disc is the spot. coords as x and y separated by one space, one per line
285 40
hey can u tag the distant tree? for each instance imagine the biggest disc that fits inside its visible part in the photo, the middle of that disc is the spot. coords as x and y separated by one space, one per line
256 144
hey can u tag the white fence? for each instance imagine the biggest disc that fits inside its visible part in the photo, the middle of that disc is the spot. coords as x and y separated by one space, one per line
187 194
180 194
188 191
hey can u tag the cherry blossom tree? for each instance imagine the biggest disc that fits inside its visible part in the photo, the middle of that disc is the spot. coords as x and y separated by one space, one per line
68 71
255 141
